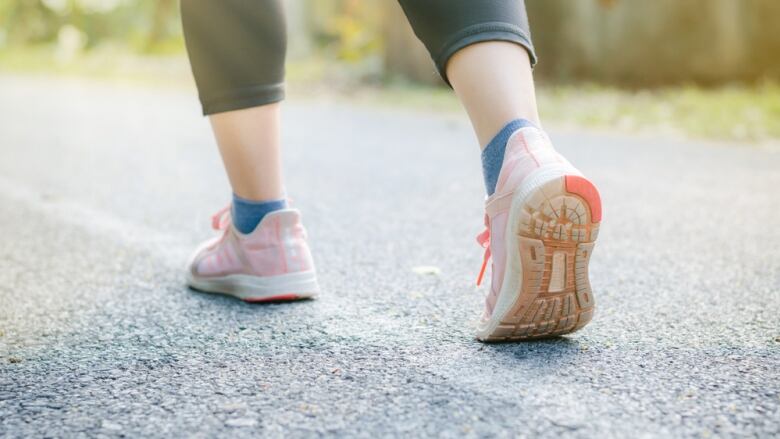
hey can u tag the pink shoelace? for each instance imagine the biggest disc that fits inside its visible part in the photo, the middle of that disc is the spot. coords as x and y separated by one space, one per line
483 239
221 219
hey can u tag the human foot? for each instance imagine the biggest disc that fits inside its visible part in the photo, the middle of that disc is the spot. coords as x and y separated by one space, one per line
541 224
271 263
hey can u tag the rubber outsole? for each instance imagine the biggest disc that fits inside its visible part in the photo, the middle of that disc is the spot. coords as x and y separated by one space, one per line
254 289
279 298
555 236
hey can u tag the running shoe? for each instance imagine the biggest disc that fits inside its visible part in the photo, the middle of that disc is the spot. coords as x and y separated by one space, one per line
541 226
272 263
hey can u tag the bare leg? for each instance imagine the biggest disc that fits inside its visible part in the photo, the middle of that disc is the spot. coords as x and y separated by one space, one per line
248 141
555 213
494 83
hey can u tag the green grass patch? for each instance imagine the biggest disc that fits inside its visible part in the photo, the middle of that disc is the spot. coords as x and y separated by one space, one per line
732 113
744 113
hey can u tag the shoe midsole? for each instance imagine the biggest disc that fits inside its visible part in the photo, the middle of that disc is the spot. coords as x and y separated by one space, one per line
244 286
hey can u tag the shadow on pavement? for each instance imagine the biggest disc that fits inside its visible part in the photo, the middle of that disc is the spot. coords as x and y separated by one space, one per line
552 349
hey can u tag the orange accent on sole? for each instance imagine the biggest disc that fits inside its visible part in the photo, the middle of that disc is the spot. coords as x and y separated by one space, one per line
556 234
279 298
584 188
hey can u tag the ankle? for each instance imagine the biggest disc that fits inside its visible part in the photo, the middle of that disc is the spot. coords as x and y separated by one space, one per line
494 151
247 214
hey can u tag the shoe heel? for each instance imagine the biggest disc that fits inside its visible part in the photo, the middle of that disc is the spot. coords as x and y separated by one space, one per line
556 232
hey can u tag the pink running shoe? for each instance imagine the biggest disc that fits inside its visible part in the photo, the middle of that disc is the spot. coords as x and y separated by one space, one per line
541 224
272 263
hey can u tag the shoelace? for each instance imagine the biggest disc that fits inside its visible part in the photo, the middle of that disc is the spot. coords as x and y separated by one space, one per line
484 241
221 219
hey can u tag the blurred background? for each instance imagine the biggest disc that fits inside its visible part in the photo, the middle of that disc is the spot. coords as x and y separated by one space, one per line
700 68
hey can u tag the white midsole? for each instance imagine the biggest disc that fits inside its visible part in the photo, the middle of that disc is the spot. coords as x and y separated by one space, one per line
302 284
513 271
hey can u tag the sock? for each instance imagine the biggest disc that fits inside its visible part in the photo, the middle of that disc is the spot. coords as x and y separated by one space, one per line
493 154
247 214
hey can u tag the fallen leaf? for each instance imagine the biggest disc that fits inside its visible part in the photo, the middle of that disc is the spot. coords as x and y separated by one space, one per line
426 270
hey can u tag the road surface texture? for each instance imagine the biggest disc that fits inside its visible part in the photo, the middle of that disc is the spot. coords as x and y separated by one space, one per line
106 189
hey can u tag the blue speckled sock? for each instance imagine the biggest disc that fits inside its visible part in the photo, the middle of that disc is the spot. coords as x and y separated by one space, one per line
247 214
493 154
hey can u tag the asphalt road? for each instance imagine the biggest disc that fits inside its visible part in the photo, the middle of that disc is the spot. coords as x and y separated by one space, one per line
105 189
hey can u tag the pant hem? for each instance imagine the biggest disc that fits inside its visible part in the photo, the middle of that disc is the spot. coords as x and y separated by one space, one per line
494 31
239 99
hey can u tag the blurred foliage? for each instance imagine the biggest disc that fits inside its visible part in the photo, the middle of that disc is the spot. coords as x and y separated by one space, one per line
640 43
626 42
73 25
341 46
348 29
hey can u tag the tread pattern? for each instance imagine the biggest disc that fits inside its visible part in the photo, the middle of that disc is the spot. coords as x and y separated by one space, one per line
556 237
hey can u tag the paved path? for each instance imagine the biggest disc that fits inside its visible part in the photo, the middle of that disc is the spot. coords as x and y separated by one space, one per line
105 190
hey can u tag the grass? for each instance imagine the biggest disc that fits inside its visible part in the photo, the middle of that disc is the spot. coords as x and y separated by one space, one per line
114 63
740 113
749 114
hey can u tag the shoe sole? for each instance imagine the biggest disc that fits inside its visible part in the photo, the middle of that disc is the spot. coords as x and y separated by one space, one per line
256 289
553 231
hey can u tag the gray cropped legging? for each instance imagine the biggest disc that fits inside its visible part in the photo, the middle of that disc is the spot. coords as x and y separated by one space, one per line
237 47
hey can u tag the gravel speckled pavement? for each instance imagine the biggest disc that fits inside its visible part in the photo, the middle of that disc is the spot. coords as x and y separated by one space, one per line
106 189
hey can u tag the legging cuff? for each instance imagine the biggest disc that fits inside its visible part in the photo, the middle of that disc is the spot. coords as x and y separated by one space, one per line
492 31
241 98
